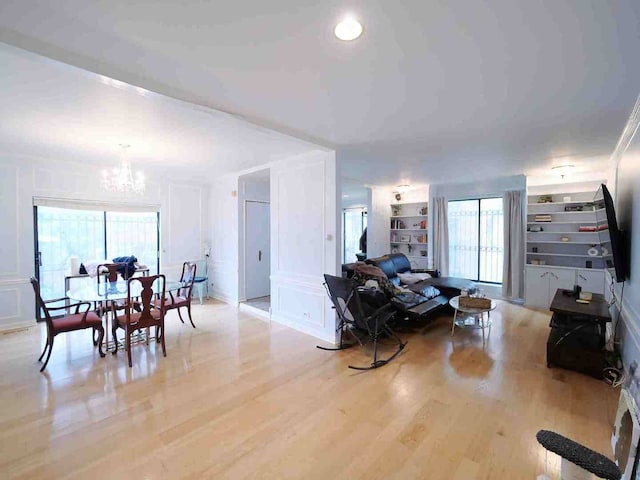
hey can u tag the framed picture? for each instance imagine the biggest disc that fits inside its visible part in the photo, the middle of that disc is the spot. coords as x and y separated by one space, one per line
405 238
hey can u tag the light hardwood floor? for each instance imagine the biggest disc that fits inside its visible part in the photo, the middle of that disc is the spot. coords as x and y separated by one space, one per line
236 399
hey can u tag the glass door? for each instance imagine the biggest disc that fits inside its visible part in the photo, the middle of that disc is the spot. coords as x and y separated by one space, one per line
60 234
90 235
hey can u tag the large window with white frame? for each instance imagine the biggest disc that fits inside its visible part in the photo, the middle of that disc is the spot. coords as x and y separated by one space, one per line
476 239
62 233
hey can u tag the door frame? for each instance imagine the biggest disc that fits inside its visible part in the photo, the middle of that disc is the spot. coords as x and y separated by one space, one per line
244 249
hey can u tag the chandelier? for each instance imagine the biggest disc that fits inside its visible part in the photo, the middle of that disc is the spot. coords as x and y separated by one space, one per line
120 179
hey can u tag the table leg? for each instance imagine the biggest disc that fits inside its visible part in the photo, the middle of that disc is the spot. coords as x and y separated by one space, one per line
482 325
453 324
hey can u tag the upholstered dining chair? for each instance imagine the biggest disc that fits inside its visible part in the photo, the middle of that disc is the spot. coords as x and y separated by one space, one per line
68 323
182 298
148 316
108 272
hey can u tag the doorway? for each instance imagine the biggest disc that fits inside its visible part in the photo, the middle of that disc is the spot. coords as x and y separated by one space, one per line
255 234
257 251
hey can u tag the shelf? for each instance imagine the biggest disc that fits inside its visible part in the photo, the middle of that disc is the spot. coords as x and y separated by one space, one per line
562 223
574 202
417 256
408 203
409 229
409 216
566 233
563 267
564 255
592 212
564 243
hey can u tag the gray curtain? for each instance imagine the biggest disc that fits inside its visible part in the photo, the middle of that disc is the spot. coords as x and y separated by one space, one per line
514 232
440 236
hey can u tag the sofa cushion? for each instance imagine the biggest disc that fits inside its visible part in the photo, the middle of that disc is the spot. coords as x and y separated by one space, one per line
409 278
400 262
448 286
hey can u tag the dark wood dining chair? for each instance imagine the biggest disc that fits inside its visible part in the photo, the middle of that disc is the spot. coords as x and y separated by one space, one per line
182 298
108 272
148 316
68 323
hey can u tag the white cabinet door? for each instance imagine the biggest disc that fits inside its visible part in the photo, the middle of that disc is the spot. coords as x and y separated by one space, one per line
537 287
560 278
591 280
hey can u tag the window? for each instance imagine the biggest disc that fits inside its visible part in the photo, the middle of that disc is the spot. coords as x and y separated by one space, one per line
90 235
476 239
354 221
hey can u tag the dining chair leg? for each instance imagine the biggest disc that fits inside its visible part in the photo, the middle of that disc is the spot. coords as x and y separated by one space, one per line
189 312
48 355
179 314
46 345
100 338
128 345
114 331
164 348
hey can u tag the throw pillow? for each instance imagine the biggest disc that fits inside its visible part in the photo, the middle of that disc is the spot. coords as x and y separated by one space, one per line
409 278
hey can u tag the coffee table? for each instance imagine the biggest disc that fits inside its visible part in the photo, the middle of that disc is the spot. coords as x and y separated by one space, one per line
473 319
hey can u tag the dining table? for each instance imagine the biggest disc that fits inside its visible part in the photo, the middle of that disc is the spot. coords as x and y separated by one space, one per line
104 292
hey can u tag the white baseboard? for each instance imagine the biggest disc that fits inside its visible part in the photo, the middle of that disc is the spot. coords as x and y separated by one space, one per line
12 327
257 312
302 326
218 295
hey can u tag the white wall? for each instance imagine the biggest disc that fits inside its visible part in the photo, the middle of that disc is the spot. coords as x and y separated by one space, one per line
183 222
378 222
304 193
223 263
627 201
305 245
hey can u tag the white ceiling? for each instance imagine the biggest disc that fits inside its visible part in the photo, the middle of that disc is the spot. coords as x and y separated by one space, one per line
54 111
433 91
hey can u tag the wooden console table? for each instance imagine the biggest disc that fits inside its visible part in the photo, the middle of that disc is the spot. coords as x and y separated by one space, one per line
577 337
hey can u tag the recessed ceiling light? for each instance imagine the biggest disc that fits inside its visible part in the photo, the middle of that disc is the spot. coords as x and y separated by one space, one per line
348 29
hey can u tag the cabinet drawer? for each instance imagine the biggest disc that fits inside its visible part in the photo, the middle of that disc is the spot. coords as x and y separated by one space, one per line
591 280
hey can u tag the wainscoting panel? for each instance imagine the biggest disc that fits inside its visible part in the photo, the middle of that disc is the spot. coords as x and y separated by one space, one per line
9 220
183 245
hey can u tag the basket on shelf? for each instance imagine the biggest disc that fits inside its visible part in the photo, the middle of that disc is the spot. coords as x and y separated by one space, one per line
474 302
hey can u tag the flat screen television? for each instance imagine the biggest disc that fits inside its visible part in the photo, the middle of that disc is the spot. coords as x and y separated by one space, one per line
611 238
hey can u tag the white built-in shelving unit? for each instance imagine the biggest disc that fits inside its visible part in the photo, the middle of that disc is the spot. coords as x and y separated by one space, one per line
409 231
560 255
561 243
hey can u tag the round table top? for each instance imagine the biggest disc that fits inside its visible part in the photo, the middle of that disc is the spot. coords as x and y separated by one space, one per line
116 290
454 302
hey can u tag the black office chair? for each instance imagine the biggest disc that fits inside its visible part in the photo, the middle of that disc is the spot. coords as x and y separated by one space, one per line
354 314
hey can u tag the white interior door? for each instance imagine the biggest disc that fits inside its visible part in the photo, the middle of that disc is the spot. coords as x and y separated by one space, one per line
257 249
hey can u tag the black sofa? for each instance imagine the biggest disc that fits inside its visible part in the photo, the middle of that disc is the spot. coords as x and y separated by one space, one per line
395 263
